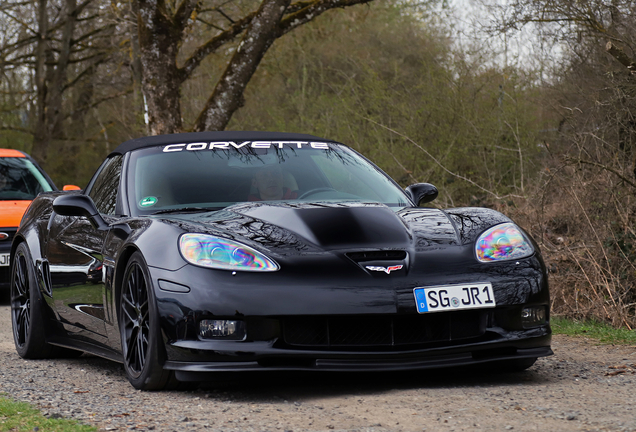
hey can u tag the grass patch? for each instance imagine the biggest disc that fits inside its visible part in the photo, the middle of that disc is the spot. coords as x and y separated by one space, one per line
20 416
593 329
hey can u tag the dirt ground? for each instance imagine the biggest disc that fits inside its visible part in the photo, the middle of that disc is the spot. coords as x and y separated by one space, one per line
583 387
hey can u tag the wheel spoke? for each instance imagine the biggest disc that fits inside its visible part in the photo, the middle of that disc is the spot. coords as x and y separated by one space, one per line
141 350
27 322
144 342
131 291
19 277
125 310
139 285
21 324
20 300
144 317
130 345
129 303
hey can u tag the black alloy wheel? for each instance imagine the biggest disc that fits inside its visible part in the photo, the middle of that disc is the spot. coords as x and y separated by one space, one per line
142 347
20 300
27 309
136 320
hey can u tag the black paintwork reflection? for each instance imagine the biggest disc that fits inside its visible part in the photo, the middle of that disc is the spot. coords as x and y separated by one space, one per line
338 226
113 243
306 227
526 278
310 227
472 221
96 311
77 274
238 226
431 227
177 320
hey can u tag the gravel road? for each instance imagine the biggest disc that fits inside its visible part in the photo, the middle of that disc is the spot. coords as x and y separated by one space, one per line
583 387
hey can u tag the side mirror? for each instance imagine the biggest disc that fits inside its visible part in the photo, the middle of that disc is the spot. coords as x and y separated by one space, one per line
421 193
79 205
71 188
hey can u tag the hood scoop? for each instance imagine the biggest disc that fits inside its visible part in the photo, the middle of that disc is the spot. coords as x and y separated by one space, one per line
381 263
338 226
386 255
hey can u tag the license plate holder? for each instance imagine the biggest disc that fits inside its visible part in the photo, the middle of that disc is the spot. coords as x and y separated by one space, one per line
444 298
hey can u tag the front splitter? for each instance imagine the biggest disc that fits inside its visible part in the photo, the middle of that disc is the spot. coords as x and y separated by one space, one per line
187 371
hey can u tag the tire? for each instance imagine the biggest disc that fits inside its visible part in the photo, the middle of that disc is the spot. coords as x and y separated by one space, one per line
142 347
27 309
519 365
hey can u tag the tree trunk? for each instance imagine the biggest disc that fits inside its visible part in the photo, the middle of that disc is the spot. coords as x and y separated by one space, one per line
228 94
159 41
162 31
52 83
40 136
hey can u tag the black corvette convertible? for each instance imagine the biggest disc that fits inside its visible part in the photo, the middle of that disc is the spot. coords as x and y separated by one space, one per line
191 254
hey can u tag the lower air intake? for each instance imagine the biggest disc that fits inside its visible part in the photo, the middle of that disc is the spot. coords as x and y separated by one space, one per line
356 331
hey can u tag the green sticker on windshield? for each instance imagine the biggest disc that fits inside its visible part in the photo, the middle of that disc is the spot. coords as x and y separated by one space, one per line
148 201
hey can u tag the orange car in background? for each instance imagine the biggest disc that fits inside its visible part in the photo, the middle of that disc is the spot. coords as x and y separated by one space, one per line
21 180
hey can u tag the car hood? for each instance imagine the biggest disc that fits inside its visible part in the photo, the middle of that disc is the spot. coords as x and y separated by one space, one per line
285 227
11 212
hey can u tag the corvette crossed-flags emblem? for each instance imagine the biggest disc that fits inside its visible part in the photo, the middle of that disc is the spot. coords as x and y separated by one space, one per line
386 270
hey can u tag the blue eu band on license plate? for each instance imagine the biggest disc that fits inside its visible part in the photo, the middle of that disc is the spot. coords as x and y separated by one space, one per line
4 260
454 297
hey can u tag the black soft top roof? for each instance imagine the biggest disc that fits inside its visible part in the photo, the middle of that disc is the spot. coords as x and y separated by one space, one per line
151 141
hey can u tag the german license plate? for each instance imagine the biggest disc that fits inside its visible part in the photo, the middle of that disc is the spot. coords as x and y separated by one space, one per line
4 260
454 297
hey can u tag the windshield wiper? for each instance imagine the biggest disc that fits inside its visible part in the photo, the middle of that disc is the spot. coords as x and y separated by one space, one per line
187 209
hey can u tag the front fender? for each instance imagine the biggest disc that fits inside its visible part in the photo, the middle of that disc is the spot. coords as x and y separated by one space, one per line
34 227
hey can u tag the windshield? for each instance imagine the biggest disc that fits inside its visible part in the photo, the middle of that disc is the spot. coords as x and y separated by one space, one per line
183 177
20 179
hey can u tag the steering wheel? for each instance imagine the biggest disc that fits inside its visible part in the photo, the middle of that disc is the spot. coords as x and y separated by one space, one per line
315 191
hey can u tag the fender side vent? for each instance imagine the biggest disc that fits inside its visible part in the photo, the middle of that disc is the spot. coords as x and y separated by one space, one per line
44 276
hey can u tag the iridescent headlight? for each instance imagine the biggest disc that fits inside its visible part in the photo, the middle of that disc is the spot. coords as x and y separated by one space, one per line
503 242
209 251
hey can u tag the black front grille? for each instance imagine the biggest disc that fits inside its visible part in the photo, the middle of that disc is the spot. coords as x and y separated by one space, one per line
390 255
11 233
355 331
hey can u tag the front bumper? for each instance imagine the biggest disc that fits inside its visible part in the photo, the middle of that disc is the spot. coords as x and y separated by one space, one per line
312 322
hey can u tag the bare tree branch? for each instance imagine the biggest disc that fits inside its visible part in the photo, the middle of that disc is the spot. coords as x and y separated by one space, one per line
209 24
620 55
87 71
212 45
98 102
227 96
184 12
16 129
229 35
606 168
19 21
461 177
226 16
311 11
